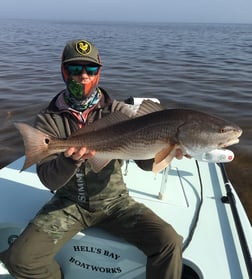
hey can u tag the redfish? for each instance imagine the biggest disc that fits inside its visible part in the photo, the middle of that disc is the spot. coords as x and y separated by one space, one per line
154 132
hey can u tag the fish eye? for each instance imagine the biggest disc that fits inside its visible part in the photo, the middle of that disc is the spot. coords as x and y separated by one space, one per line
226 129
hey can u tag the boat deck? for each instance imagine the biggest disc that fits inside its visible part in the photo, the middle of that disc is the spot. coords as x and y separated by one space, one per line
186 195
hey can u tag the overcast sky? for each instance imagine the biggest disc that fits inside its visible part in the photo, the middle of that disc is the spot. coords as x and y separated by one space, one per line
228 11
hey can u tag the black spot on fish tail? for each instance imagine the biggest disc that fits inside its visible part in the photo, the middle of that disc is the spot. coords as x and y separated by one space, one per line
35 142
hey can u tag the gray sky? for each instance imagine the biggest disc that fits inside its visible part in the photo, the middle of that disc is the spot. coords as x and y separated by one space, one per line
229 11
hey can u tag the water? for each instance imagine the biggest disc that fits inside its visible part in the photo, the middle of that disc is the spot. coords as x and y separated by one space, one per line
200 66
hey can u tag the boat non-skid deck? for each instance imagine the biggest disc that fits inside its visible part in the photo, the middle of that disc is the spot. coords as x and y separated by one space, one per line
187 195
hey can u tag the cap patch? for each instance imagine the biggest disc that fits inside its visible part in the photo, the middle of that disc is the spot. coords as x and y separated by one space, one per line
83 47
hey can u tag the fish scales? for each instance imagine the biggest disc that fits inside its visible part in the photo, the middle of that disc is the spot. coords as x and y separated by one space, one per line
129 133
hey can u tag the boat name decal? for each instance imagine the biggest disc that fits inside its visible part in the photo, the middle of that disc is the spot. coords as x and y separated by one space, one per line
95 250
96 268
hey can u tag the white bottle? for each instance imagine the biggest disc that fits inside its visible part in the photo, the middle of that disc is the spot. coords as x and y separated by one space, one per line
216 156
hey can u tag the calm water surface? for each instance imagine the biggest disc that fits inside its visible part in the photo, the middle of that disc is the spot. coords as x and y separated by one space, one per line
200 66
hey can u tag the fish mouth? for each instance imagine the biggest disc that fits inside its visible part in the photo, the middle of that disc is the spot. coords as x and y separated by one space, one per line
233 139
231 142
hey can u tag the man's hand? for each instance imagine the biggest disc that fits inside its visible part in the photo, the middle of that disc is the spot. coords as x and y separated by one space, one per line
79 154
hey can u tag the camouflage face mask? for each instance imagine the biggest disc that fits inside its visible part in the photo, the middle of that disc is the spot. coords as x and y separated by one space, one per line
75 99
76 89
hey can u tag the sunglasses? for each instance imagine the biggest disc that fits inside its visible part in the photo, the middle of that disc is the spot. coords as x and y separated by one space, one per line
76 70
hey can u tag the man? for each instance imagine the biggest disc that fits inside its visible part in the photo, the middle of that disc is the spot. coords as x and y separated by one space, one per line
82 197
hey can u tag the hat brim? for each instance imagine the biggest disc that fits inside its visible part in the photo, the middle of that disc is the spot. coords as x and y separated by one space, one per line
82 59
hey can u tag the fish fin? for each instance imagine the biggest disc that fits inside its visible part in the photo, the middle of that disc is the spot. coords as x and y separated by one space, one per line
161 155
156 168
111 119
148 106
35 143
97 164
163 158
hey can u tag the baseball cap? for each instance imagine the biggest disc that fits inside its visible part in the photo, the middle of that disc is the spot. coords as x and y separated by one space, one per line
80 50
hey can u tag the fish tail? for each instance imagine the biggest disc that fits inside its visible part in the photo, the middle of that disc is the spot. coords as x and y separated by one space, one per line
35 143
